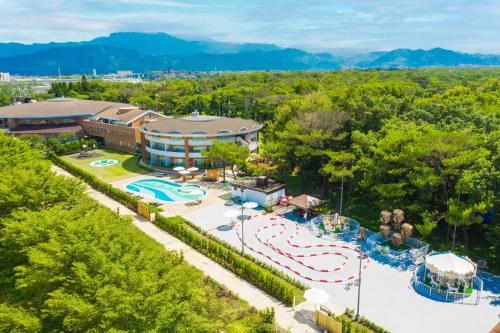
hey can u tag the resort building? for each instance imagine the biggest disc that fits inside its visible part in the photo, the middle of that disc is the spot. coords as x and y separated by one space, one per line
114 124
119 127
51 118
179 141
262 190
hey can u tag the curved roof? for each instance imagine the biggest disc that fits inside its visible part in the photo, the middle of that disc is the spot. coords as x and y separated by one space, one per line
202 126
57 108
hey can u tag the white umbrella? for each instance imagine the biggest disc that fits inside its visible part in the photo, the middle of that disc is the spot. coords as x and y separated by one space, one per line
250 205
184 172
179 168
232 213
316 296
192 169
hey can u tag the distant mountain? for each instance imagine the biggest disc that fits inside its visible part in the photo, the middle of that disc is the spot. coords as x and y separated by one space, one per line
142 52
405 58
83 58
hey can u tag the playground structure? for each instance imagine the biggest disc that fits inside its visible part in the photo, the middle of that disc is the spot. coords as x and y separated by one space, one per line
394 240
446 277
333 227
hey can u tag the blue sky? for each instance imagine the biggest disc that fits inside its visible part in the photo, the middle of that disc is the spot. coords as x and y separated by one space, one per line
329 25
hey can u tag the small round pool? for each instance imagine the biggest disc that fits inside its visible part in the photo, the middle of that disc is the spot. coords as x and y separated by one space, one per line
165 190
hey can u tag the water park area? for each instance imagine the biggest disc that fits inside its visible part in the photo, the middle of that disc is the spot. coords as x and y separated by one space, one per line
166 191
310 252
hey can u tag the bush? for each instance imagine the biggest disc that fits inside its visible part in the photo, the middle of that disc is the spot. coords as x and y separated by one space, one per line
363 326
230 259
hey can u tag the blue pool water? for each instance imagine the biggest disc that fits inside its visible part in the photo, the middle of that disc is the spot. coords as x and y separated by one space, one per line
164 190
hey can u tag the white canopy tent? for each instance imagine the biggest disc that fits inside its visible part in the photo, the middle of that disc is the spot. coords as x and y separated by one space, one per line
448 269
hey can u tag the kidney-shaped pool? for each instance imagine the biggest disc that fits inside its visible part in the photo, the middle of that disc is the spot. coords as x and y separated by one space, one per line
166 191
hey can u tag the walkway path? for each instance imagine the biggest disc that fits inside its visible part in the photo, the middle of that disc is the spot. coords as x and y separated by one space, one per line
298 320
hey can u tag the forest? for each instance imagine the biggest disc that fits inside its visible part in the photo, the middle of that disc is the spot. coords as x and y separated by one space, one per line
425 141
68 264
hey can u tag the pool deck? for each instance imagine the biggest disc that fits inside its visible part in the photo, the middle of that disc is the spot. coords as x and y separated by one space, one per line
215 190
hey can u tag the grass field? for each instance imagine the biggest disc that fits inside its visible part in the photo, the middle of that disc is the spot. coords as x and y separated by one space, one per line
129 165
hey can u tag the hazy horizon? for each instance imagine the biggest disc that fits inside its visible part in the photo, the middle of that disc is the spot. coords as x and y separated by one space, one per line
317 26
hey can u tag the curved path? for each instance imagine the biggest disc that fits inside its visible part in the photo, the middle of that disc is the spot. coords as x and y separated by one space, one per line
278 229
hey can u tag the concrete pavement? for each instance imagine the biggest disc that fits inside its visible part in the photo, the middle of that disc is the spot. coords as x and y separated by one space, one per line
295 320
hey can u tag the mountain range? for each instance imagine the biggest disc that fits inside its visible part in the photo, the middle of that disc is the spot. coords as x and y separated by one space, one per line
142 52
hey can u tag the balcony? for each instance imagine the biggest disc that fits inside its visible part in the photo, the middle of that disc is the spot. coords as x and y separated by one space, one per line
165 141
165 153
195 155
200 142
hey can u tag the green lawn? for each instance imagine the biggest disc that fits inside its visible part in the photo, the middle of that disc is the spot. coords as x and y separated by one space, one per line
129 165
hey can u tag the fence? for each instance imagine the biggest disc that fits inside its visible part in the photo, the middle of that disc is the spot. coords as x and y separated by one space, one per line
445 295
328 323
414 254
344 235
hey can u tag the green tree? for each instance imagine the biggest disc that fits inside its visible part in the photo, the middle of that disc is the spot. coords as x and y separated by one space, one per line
227 153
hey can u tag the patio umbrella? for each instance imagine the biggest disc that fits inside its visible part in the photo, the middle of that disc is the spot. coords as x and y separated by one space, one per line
193 169
316 296
179 168
250 205
232 213
184 172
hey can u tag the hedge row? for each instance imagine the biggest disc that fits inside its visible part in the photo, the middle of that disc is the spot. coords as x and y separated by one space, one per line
262 276
363 326
230 259
275 271
117 194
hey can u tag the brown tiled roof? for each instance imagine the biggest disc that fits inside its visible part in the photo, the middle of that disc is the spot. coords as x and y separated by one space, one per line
305 201
211 125
57 108
124 114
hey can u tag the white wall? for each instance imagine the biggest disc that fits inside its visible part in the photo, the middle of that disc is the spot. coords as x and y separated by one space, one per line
259 197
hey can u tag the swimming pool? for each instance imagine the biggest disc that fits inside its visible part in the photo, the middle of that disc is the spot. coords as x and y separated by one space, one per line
166 191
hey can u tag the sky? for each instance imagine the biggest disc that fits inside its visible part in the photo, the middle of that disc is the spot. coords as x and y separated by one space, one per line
315 25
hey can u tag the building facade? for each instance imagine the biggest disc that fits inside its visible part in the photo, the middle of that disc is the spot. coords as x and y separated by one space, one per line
170 142
114 124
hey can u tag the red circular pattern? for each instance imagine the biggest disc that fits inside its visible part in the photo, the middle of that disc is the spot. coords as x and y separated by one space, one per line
297 258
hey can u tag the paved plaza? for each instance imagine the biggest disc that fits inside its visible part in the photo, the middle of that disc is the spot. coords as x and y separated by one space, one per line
387 297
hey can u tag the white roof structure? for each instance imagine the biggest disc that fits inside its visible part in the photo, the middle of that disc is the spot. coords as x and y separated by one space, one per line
448 263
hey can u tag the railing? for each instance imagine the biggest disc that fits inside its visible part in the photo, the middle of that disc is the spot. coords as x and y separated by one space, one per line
444 295
344 235
166 153
415 252
165 140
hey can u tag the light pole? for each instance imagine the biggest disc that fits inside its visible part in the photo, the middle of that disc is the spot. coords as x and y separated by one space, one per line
361 238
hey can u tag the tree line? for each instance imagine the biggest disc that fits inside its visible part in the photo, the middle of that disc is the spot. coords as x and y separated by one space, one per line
70 264
424 140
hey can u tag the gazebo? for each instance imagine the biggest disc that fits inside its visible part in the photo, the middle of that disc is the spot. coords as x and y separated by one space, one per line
447 276
306 203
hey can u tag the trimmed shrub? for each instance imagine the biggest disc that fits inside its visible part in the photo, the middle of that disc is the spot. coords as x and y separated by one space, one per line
119 195
260 277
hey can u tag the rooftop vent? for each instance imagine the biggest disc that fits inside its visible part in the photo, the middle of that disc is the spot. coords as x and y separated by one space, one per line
195 113
125 109
262 181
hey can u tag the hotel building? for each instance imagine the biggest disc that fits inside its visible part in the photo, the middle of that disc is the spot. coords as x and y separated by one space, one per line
169 142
